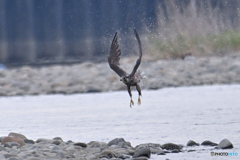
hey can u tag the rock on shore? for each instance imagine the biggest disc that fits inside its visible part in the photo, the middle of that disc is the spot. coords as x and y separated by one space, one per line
16 147
98 77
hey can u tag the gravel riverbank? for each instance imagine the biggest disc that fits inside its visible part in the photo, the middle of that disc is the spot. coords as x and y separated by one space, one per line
16 146
91 77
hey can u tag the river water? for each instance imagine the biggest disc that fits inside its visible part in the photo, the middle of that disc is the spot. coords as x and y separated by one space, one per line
174 115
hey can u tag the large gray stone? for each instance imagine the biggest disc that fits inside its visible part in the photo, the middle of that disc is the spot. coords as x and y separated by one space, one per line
225 144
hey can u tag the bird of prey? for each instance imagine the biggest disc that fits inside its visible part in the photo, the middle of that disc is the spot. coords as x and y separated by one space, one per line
135 76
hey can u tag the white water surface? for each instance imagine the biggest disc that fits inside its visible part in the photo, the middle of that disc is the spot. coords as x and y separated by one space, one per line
174 115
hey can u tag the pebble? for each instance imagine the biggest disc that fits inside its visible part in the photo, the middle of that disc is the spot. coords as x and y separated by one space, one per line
108 154
175 151
119 142
58 139
12 139
61 155
208 143
143 152
75 78
139 158
191 150
95 144
80 144
116 149
155 148
192 143
161 153
2 138
17 135
55 149
43 140
149 145
171 146
57 142
12 144
29 141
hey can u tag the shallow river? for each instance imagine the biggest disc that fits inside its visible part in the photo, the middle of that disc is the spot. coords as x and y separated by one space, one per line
168 115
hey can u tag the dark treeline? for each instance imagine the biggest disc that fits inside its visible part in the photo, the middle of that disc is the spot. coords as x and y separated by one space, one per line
62 30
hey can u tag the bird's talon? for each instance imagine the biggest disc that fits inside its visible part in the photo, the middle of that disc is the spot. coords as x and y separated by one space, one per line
131 103
139 101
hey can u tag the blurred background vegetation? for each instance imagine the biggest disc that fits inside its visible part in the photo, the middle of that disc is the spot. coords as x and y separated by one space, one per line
63 31
200 28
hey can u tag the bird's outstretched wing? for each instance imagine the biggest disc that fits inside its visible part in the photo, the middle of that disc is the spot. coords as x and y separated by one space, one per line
138 62
114 57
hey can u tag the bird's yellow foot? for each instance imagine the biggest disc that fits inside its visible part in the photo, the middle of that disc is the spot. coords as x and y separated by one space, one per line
139 100
131 103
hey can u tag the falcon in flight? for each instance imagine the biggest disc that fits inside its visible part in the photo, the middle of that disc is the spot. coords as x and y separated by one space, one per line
131 79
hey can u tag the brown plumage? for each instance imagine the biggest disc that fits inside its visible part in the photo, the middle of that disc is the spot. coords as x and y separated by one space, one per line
134 77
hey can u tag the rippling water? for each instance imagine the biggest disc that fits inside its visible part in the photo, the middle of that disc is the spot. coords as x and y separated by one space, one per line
167 115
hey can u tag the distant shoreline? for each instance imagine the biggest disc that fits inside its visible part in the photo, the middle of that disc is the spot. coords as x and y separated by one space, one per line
98 77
